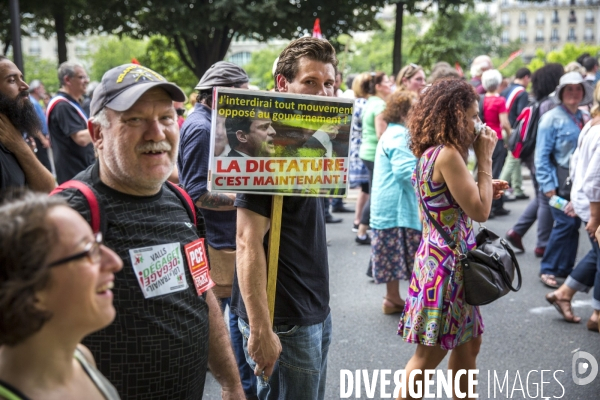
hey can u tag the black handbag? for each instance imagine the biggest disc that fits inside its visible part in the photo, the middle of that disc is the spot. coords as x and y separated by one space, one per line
488 270
564 182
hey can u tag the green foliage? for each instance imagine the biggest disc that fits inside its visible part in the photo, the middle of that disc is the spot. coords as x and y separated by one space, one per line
42 69
112 52
162 58
459 36
569 52
375 54
260 67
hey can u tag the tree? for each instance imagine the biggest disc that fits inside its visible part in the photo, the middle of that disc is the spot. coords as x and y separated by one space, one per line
568 53
459 37
201 31
42 69
161 57
112 52
260 67
374 54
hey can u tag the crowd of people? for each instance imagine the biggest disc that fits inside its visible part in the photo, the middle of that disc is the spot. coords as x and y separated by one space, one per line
115 301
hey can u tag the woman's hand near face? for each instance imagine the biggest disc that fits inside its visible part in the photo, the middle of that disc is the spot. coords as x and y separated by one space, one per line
484 146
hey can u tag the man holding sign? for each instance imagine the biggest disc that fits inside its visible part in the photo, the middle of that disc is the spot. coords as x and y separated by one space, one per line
290 357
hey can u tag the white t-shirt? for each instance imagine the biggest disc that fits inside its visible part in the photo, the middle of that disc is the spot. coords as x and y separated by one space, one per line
585 171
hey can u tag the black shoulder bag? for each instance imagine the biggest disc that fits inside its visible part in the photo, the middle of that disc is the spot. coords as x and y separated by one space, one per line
488 270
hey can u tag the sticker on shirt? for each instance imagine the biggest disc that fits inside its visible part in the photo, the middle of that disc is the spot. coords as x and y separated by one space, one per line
159 269
198 263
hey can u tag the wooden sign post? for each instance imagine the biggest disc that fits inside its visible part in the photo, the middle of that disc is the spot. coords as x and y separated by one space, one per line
273 256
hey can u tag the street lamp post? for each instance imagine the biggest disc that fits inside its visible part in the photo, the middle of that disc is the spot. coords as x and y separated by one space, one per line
15 29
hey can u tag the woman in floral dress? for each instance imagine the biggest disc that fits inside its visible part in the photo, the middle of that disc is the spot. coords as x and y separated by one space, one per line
442 126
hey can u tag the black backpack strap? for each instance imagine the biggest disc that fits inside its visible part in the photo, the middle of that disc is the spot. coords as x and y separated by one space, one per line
481 100
187 201
97 224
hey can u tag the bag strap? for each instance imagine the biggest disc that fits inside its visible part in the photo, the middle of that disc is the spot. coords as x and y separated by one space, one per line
187 201
89 195
517 268
449 240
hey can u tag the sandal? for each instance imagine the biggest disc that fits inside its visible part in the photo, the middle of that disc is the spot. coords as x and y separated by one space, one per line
549 280
563 307
394 309
592 326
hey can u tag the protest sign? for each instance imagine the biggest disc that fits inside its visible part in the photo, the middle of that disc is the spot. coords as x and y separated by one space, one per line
279 143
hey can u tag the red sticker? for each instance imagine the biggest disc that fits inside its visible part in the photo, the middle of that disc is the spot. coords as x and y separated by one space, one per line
198 264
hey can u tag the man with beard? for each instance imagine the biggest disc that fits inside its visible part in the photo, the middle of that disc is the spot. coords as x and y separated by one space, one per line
71 142
167 319
18 164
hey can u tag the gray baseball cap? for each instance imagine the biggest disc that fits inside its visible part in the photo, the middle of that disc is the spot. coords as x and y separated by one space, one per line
122 86
222 73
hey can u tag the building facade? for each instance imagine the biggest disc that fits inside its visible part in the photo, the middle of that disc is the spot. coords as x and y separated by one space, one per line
549 25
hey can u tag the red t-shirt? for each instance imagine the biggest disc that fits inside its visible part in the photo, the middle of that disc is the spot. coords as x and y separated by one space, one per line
493 106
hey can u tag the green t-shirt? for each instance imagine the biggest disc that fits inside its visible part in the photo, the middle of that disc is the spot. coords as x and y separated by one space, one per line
374 106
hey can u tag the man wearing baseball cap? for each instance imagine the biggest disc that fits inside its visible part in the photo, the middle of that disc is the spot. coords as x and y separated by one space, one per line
167 317
217 208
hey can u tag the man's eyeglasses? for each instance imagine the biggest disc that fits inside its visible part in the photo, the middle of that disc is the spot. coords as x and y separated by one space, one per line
83 77
91 250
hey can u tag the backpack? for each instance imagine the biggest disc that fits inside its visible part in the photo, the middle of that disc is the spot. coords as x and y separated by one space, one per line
523 134
99 225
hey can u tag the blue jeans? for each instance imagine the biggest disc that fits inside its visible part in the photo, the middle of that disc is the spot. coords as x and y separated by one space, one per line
561 249
587 274
301 371
537 209
237 343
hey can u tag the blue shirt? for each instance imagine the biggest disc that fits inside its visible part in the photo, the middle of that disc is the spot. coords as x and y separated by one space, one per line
194 155
393 199
556 141
41 115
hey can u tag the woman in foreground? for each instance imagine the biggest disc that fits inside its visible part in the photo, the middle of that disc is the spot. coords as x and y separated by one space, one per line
55 286
442 126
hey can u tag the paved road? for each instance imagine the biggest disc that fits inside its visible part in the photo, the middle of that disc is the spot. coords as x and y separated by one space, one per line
522 332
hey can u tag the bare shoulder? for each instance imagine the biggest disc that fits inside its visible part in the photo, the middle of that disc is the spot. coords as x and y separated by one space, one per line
447 161
87 354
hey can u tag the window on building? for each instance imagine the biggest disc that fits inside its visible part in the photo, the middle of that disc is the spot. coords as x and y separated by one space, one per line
572 2
505 38
571 37
242 58
554 36
505 19
522 18
540 18
34 47
523 36
504 2
572 17
555 19
589 17
588 35
539 35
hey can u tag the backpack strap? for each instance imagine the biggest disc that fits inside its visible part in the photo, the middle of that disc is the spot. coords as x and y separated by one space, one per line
89 195
186 200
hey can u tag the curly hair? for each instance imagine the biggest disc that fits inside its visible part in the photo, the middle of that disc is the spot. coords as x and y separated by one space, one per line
398 106
440 117
24 227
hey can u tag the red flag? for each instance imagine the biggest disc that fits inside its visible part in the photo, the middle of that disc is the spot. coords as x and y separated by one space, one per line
135 61
459 69
317 29
511 58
